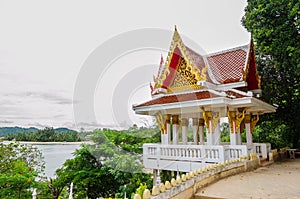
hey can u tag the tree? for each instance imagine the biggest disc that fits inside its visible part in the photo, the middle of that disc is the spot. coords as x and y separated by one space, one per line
225 132
91 179
275 27
107 168
17 178
20 167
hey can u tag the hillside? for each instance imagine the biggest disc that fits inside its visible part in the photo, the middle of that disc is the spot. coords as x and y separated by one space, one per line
16 129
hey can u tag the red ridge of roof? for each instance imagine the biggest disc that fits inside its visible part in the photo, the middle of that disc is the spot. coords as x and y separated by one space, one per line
180 98
228 67
252 76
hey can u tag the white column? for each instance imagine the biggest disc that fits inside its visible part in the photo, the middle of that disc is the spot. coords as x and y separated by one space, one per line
232 124
175 128
248 134
233 134
168 127
207 115
248 131
217 134
239 137
201 131
165 134
184 124
210 135
195 126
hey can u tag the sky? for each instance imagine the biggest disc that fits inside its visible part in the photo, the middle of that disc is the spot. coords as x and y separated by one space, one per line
83 64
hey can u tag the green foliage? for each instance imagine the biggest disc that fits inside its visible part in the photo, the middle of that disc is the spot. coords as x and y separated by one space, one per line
20 167
16 180
273 132
225 132
46 135
275 27
109 167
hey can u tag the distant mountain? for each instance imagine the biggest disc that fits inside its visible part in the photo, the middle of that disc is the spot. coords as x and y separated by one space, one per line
16 129
62 129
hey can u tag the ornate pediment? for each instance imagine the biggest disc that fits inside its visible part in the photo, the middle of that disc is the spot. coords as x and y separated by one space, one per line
184 78
180 72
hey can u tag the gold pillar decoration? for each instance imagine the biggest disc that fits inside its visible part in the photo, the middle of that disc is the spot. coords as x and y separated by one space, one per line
161 121
207 116
254 120
215 120
247 118
239 118
184 122
168 118
231 118
175 119
201 122
195 122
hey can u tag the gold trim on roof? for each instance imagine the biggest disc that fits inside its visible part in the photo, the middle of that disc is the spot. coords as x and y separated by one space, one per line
184 88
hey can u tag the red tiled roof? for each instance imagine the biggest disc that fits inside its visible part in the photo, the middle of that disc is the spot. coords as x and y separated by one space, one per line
227 67
235 94
180 98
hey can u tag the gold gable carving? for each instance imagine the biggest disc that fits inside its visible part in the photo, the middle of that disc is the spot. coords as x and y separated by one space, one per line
186 78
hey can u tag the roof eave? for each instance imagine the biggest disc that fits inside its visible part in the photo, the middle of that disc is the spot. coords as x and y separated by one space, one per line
215 102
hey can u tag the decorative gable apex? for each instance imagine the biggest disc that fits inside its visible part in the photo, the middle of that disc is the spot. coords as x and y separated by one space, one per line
180 71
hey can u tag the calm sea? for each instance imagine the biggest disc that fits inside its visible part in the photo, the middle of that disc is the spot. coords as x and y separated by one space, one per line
55 155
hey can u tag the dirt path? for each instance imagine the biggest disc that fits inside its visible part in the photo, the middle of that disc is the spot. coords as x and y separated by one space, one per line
279 180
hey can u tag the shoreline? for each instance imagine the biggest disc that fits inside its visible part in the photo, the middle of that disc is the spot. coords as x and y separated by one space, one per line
47 143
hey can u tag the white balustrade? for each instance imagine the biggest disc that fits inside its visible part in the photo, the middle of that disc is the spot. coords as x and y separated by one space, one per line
189 157
181 157
235 151
262 149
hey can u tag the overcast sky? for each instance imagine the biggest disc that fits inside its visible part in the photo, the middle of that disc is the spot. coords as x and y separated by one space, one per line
45 44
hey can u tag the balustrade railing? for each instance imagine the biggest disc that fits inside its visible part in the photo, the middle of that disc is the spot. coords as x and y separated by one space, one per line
261 149
188 157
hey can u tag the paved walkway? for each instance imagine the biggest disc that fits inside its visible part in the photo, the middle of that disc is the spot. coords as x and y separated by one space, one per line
279 180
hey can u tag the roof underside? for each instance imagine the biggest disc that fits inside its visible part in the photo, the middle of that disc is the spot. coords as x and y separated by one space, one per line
192 101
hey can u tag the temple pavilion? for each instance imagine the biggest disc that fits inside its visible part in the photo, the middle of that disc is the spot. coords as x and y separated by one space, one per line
194 91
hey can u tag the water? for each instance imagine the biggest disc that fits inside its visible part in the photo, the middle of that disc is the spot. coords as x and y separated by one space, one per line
55 155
